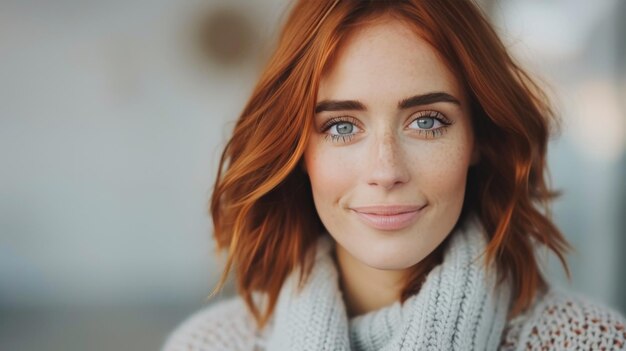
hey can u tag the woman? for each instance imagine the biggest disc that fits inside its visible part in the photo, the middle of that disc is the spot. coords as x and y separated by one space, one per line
384 189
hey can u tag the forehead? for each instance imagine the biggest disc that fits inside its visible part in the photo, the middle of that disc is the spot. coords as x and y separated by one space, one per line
386 58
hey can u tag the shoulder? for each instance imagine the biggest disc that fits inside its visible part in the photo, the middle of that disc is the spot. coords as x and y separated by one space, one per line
224 325
562 320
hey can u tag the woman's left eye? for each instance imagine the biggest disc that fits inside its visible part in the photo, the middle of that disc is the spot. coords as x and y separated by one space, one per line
430 124
426 123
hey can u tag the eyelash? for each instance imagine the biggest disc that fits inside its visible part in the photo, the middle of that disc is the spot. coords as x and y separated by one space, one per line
433 133
428 133
336 120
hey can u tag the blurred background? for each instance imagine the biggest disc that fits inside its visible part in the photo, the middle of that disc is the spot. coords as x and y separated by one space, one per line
113 115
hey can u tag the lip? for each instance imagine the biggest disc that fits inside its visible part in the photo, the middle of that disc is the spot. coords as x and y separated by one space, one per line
388 217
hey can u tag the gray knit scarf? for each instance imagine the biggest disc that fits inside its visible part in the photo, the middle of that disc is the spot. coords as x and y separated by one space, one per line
457 307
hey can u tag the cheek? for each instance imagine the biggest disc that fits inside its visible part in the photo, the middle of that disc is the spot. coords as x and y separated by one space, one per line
443 172
330 172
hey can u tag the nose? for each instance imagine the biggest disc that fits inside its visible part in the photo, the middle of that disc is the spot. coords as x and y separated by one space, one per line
388 165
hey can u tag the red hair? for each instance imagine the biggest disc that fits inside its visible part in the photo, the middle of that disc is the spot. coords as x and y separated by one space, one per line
262 207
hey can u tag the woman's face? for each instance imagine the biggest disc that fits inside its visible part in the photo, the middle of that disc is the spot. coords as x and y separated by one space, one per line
389 156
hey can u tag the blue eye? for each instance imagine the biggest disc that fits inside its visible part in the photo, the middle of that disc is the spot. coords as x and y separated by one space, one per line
430 124
342 128
426 123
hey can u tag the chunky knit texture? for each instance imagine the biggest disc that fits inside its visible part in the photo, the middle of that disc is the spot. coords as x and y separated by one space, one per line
457 308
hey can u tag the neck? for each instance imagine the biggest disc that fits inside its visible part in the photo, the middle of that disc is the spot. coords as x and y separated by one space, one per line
365 288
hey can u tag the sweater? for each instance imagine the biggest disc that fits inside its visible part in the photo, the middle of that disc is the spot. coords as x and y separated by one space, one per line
459 307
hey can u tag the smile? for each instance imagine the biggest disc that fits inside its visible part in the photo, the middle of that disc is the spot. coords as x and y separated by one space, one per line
388 217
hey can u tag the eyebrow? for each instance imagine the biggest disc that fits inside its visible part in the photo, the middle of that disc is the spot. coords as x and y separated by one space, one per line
417 100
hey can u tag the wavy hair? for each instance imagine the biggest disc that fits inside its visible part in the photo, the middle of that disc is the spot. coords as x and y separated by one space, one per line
262 206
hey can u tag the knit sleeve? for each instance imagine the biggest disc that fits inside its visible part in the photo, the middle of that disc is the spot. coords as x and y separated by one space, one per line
563 321
225 325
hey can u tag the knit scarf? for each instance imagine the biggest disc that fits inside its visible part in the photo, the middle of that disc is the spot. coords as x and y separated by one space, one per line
457 308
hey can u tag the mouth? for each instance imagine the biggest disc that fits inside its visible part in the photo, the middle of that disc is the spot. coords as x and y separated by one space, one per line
389 217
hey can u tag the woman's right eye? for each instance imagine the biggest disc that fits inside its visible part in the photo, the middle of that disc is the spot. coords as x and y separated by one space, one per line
341 129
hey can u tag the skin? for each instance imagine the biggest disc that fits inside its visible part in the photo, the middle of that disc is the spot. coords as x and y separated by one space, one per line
383 155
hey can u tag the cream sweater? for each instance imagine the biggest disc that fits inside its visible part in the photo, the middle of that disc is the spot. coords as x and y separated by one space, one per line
457 308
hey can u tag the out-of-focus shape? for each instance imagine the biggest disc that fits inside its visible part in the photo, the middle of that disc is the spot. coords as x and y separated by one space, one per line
226 36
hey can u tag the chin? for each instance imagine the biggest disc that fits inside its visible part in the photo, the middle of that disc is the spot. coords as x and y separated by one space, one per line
393 264
390 255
